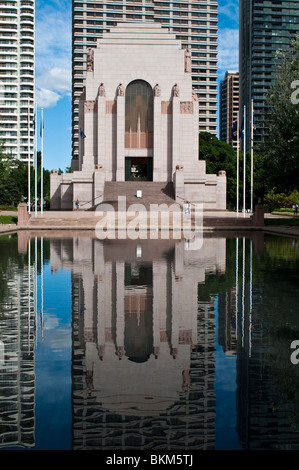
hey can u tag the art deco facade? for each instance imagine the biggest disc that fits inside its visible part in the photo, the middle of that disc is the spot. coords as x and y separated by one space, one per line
193 22
139 109
265 27
229 106
17 77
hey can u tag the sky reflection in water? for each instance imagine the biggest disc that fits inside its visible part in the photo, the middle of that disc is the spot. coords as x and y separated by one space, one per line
145 345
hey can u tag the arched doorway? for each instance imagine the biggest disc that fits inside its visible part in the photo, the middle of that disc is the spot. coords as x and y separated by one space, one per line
139 129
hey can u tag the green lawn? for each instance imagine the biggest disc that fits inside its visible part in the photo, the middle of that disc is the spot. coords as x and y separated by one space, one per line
289 213
8 219
5 207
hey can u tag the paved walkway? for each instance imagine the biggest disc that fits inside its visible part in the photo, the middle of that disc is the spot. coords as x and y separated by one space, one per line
226 218
15 213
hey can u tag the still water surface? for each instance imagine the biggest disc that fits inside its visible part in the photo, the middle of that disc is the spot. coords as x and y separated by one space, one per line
148 345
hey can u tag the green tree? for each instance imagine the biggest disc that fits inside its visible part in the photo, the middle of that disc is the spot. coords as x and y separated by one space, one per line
13 177
221 156
14 180
281 146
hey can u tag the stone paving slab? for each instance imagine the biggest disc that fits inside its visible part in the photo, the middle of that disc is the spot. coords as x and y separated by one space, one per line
8 228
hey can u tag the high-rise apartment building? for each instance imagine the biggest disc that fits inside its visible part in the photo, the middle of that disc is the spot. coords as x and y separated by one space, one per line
193 22
229 106
265 27
17 77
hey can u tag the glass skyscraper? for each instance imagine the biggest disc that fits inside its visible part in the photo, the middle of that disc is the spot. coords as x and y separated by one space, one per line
266 26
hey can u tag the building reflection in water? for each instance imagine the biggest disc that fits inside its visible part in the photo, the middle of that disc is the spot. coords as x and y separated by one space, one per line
143 373
144 343
17 355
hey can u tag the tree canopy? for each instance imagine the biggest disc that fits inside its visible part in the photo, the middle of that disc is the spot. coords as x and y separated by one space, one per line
281 147
221 156
14 180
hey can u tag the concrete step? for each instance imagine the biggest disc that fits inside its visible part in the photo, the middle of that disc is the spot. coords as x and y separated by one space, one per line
226 222
90 222
152 192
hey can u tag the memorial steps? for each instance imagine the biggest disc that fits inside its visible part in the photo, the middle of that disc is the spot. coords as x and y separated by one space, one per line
133 193
151 193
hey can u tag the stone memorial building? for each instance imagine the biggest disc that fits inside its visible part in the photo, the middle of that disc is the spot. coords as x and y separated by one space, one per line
138 118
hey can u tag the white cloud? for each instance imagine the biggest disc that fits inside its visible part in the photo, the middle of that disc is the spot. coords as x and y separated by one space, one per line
228 50
46 98
58 79
53 52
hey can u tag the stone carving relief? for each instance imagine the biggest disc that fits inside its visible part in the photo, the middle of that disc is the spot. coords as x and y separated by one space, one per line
90 59
187 61
102 91
194 95
186 107
176 90
157 90
89 106
120 90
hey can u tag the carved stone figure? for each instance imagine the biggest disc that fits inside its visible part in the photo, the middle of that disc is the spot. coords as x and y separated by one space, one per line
90 57
102 91
194 95
157 90
187 61
120 90
176 90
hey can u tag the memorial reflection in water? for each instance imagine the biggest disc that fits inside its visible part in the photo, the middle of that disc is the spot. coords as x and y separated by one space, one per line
135 315
167 344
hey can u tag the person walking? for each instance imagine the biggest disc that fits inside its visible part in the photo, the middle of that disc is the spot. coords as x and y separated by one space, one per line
294 208
77 205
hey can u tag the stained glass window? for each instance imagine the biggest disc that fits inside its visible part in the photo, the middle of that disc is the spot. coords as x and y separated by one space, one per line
139 115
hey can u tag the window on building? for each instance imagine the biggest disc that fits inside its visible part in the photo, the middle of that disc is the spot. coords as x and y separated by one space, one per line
139 115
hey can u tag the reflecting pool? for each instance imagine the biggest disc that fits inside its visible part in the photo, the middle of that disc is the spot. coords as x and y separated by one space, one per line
149 344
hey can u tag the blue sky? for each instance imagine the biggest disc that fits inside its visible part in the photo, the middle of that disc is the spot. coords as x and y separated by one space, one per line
53 70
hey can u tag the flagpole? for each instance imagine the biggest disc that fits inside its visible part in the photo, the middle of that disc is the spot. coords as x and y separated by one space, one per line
79 147
244 163
41 163
251 189
29 182
35 166
238 143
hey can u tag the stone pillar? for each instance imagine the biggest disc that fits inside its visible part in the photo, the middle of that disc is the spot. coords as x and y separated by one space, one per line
221 190
179 184
88 157
55 182
120 135
175 127
158 172
258 216
195 124
23 216
101 153
98 185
